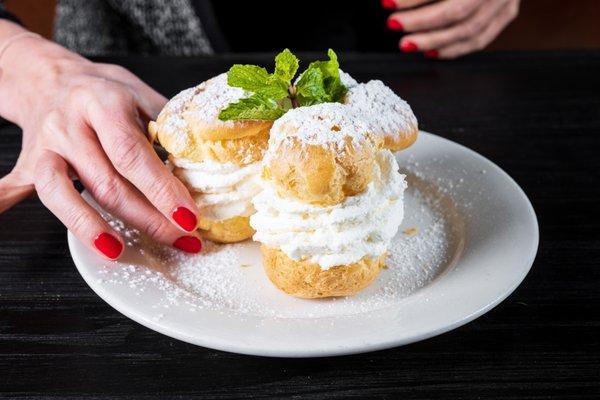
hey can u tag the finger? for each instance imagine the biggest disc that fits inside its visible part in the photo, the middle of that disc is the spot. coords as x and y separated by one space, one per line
119 197
470 27
56 191
436 15
505 16
150 101
402 4
113 119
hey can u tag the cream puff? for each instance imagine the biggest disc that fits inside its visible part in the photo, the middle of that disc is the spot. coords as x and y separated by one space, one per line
385 112
331 202
219 161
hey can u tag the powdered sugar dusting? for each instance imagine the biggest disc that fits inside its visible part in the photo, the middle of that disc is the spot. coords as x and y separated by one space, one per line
201 103
384 111
229 278
212 96
347 80
326 124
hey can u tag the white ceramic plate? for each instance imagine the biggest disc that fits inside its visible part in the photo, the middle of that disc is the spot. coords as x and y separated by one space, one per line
469 237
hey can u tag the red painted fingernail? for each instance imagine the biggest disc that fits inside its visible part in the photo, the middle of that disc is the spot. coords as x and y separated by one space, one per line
189 244
431 54
185 218
388 4
108 245
408 46
394 24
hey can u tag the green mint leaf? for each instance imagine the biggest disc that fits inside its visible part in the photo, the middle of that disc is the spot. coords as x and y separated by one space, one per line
331 77
257 80
310 88
324 86
273 94
247 77
254 107
286 66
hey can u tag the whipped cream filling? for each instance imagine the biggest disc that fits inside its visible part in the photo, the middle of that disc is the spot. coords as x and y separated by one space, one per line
341 234
221 190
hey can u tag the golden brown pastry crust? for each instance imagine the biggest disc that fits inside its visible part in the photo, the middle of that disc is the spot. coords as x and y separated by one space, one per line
189 127
241 152
231 230
320 154
317 175
396 141
307 280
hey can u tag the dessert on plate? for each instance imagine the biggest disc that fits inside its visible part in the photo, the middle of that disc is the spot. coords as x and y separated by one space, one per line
331 202
219 161
304 164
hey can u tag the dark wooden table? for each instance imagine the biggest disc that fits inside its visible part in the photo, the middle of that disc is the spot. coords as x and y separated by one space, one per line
535 115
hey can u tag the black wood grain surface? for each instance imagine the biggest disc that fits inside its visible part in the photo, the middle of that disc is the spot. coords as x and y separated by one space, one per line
536 115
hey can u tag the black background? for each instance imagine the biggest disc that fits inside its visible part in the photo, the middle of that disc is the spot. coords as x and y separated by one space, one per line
536 115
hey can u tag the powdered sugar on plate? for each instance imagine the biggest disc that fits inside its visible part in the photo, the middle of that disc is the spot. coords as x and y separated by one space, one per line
229 278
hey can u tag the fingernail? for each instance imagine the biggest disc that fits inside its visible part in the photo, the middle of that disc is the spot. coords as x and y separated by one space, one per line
408 46
394 25
189 244
388 4
185 218
431 54
108 245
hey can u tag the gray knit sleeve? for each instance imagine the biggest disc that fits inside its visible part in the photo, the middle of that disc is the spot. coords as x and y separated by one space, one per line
112 27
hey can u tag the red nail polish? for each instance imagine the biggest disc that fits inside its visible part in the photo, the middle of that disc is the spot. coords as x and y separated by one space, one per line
394 25
408 46
185 218
189 244
431 54
108 245
388 4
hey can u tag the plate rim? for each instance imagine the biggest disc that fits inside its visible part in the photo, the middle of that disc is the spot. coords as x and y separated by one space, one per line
233 347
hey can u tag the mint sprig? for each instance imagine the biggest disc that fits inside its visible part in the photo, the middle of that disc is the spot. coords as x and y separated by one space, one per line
274 94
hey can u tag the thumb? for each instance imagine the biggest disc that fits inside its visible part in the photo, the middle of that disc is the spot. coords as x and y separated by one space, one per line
13 189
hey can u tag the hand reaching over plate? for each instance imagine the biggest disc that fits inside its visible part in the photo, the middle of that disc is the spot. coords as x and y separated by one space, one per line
86 121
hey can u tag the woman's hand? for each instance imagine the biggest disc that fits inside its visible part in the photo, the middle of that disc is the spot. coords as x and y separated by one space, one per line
449 28
87 120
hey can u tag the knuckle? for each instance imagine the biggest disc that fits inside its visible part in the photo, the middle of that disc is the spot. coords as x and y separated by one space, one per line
78 94
456 12
476 27
53 123
127 151
447 15
468 30
47 176
479 43
103 91
154 227
76 220
106 189
162 191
